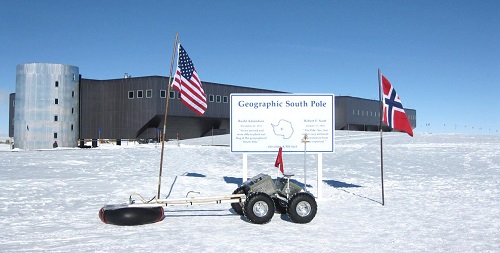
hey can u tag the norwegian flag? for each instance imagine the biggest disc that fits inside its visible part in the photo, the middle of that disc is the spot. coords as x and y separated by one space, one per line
188 84
393 113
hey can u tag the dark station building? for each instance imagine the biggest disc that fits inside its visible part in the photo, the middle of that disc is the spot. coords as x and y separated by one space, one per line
134 108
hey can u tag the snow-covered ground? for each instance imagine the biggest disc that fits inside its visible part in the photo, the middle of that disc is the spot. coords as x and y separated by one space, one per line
442 194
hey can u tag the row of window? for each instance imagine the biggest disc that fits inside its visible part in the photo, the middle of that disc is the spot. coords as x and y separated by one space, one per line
72 129
57 82
140 94
56 101
57 117
163 94
374 114
366 113
225 99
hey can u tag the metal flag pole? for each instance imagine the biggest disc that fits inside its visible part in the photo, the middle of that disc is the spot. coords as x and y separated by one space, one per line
305 141
166 111
380 127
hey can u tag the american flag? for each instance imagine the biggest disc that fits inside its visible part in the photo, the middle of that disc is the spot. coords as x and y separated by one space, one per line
393 113
188 84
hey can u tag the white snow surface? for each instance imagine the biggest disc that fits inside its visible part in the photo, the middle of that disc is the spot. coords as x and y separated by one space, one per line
442 194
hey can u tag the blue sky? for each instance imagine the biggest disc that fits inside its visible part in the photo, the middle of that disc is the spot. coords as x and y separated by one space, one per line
443 57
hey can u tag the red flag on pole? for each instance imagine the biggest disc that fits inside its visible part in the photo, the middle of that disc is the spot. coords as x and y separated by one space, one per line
279 160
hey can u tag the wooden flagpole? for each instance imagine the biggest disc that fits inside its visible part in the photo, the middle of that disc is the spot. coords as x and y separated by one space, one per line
380 127
166 111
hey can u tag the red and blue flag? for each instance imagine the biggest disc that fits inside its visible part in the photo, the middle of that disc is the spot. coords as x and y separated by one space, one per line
394 114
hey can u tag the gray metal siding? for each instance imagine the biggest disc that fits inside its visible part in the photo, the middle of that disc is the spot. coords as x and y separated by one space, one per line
46 100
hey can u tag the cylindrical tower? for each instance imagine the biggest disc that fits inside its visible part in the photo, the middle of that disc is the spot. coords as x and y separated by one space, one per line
46 106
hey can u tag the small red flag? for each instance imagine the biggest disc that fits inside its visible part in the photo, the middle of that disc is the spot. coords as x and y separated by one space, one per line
279 160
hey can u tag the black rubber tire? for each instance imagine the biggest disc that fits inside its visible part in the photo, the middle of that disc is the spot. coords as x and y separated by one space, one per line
123 215
259 208
280 206
238 207
302 207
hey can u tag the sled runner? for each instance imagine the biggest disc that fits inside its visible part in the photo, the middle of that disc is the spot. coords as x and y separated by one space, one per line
146 212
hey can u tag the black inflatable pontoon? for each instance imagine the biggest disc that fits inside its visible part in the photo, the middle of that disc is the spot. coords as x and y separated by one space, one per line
125 215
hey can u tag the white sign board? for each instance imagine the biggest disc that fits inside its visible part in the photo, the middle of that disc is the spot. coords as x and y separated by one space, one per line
262 122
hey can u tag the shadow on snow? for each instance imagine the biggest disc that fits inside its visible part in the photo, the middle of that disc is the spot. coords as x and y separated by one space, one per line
339 184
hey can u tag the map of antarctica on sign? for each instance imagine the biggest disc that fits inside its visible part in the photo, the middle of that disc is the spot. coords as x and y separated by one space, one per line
262 122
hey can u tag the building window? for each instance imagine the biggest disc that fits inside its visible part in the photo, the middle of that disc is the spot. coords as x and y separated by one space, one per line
210 98
149 93
139 94
57 84
72 94
56 101
55 135
71 127
172 94
74 77
163 93
13 103
130 94
217 98
178 95
56 118
353 112
225 99
72 110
